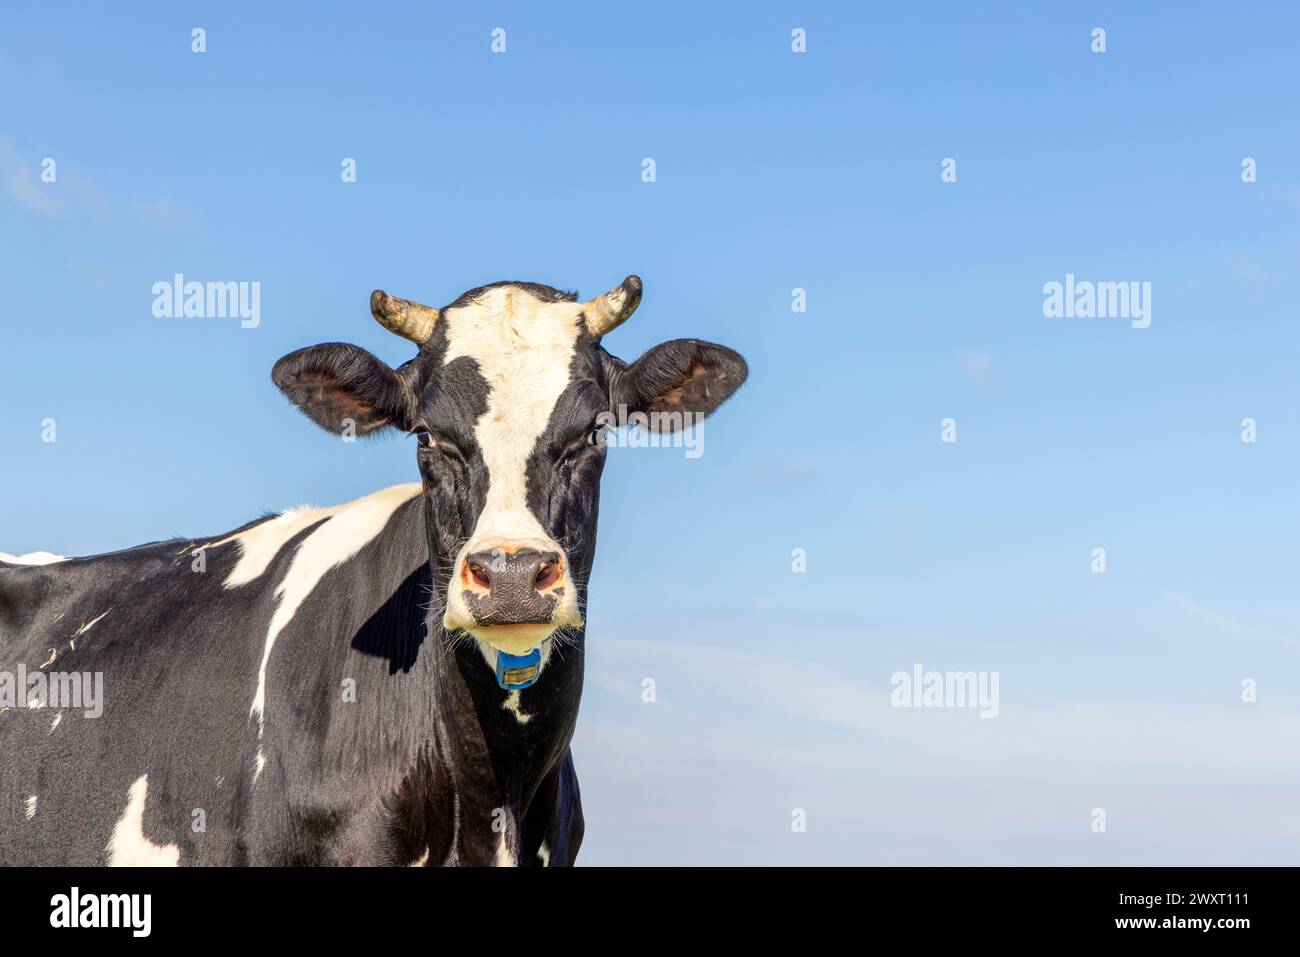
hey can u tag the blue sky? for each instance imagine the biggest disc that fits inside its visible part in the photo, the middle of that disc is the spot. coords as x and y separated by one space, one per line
774 170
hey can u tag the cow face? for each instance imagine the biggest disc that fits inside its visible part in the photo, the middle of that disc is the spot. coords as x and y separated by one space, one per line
505 404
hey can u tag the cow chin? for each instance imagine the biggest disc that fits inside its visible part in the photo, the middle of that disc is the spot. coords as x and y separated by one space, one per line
513 639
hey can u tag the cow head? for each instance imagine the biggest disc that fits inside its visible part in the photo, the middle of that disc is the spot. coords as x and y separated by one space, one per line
505 403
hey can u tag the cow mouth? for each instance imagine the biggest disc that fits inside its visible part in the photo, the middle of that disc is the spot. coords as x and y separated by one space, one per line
514 639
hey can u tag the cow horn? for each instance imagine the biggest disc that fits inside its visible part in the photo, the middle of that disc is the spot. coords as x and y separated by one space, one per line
410 320
612 309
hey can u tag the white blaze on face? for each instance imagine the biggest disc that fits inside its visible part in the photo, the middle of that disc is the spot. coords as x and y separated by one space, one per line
523 348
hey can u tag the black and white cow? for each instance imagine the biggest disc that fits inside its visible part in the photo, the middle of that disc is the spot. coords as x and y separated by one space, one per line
391 681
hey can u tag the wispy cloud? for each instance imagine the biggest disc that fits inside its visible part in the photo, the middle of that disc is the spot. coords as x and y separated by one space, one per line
1246 270
73 195
787 476
813 694
93 271
164 213
769 683
22 182
1285 195
752 736
1229 625
978 367
70 195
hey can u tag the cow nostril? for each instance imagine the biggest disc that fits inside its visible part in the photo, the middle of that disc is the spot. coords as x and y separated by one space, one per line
547 576
480 575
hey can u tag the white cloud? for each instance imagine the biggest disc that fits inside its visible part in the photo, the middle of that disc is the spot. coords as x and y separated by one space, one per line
93 271
1230 625
978 367
22 183
72 194
752 736
1246 270
164 213
787 476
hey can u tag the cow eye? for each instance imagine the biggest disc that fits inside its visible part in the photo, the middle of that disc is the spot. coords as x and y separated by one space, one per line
425 439
593 439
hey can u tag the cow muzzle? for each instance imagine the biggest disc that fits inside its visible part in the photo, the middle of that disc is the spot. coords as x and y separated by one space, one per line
513 597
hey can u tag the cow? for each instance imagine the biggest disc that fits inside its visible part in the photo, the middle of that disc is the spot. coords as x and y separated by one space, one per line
391 681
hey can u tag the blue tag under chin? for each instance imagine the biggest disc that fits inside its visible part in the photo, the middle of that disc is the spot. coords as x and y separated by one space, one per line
518 671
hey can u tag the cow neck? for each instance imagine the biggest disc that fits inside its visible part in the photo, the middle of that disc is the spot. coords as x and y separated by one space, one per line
502 745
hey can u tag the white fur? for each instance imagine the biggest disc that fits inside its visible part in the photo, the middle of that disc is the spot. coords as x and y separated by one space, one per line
128 847
505 856
523 348
348 528
32 558
259 544
29 807
511 704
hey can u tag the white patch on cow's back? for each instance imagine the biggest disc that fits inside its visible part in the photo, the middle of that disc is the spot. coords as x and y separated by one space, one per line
347 529
260 543
128 847
32 558
29 807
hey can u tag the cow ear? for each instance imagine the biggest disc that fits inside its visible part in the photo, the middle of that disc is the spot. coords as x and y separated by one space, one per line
340 386
681 376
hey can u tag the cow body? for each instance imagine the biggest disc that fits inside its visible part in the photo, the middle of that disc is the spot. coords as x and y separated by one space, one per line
390 681
380 744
